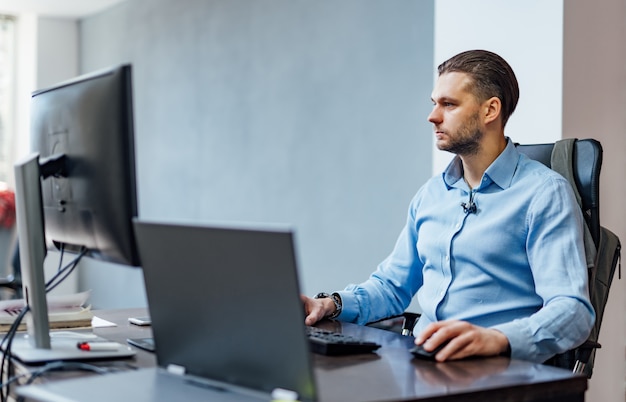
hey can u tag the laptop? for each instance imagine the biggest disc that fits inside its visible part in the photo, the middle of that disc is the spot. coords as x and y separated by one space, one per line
227 321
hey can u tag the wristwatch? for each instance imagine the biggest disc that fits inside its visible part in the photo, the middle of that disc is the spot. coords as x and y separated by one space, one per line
336 299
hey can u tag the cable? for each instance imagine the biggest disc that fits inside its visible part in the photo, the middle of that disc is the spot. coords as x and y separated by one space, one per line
61 274
64 272
67 366
62 366
62 250
6 357
59 366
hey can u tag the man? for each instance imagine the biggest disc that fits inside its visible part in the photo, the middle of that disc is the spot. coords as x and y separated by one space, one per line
493 247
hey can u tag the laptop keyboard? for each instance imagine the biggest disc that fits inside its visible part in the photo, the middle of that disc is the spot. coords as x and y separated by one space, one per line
331 343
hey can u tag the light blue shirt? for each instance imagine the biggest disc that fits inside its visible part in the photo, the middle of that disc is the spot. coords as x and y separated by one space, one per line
516 265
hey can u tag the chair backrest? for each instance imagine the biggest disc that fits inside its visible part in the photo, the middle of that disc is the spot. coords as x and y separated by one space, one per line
586 159
587 163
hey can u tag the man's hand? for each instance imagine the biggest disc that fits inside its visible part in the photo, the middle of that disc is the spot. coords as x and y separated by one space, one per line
464 339
316 309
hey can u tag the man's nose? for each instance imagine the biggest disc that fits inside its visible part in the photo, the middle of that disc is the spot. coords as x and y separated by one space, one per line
435 116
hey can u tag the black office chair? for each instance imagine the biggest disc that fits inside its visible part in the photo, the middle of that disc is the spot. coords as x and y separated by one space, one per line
587 162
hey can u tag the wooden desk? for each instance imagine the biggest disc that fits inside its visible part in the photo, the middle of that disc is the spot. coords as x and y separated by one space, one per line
392 374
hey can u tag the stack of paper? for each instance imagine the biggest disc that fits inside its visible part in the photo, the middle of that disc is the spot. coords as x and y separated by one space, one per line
64 311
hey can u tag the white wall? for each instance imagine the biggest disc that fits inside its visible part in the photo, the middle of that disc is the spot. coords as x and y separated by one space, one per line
57 50
594 105
527 39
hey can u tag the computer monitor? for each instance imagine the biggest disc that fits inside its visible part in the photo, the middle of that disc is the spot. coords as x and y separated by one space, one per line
77 190
90 121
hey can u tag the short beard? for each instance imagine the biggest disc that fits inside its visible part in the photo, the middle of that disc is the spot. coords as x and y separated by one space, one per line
466 141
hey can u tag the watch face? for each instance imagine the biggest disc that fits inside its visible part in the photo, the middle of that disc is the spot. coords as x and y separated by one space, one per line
321 295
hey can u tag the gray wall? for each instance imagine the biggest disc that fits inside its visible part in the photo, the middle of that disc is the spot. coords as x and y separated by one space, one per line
310 113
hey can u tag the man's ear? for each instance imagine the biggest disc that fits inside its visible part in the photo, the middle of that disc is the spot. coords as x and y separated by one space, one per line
491 109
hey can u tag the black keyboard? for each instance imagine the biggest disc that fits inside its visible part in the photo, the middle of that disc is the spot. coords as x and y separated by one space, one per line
331 343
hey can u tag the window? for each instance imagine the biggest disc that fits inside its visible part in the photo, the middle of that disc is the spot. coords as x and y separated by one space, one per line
7 95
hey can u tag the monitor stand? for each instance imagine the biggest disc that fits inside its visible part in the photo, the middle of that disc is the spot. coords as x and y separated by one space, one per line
36 345
64 347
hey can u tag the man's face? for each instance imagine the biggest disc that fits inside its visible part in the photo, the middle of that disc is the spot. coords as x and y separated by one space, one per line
455 116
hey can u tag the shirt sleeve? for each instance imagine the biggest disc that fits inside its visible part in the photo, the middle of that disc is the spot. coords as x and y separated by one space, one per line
556 256
390 288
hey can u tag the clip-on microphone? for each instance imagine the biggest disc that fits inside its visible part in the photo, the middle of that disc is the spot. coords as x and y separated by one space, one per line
469 209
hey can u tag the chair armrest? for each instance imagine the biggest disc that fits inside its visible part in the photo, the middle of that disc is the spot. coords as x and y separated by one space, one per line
402 323
409 322
583 353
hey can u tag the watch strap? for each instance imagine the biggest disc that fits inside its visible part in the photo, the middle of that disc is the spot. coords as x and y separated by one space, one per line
336 298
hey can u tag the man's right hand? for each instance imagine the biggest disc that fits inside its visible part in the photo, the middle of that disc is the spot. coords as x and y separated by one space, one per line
316 309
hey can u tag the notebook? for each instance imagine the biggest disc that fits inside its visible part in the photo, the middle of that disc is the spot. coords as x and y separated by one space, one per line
227 321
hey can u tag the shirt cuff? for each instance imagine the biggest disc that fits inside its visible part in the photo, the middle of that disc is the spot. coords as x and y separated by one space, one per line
521 347
350 307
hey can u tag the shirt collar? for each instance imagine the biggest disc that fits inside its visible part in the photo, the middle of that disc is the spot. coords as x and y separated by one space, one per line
500 171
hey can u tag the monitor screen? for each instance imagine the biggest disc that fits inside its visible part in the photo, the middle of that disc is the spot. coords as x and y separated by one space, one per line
89 120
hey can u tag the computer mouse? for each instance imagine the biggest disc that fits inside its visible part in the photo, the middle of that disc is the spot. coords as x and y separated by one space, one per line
419 352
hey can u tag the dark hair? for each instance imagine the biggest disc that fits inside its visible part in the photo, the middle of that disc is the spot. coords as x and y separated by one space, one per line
491 76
